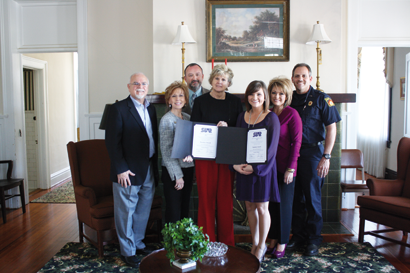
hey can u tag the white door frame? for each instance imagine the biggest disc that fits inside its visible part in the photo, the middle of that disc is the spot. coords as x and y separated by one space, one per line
40 75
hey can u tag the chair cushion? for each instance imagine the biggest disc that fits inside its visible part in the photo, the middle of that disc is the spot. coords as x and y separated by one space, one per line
394 205
104 207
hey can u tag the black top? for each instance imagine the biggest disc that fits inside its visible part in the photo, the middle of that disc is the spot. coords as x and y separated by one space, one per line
210 110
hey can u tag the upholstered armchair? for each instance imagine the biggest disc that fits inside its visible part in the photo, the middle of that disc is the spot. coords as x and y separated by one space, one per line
90 172
389 200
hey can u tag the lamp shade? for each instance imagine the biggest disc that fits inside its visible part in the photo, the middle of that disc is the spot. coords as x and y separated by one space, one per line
318 35
183 36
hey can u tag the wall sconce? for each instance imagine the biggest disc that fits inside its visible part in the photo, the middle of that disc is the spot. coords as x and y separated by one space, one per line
183 36
318 36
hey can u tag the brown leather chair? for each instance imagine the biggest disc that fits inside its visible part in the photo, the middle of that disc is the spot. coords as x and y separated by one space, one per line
353 158
10 183
389 200
90 172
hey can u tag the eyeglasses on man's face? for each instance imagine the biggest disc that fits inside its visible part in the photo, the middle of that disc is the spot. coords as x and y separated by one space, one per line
139 84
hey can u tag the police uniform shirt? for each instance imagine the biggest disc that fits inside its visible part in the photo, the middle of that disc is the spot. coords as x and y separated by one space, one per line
316 110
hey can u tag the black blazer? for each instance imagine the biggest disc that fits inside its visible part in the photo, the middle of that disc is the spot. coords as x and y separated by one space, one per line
128 143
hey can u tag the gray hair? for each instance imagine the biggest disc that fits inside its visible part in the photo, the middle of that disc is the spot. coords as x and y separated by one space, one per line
139 73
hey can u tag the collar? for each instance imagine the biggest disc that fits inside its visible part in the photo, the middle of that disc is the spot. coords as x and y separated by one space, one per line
197 93
139 104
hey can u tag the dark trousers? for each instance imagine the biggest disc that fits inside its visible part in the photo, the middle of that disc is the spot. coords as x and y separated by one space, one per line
307 221
177 201
281 213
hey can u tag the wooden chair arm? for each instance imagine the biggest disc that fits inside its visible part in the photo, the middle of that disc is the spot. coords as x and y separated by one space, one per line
384 187
9 167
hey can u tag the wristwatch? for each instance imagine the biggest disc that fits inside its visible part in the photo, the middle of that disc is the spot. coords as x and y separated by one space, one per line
327 156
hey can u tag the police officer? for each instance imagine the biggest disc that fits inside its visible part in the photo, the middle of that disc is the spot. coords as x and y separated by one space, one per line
319 117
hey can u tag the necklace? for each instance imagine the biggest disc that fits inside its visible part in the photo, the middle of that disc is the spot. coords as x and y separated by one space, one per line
250 115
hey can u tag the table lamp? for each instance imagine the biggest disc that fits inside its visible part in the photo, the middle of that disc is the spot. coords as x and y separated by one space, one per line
318 36
183 36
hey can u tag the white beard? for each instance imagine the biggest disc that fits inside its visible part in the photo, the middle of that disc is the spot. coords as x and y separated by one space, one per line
140 97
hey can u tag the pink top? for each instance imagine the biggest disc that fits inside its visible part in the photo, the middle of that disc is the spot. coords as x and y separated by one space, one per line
290 140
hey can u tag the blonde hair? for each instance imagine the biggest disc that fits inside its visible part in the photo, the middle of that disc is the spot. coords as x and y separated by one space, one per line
283 83
170 89
221 69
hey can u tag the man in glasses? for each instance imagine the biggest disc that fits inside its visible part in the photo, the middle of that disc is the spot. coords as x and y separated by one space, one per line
131 138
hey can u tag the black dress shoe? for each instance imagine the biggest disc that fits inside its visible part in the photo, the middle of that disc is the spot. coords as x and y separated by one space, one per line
132 261
294 244
312 250
143 251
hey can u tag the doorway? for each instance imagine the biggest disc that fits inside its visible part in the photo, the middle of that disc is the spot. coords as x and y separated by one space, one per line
55 111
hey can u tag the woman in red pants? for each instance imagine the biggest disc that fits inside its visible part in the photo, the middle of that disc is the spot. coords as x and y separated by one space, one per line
215 181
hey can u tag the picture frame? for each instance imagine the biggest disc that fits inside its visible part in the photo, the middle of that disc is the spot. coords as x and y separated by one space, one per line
402 88
247 31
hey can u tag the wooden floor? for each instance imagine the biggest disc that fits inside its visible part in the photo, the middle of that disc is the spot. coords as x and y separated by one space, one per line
30 240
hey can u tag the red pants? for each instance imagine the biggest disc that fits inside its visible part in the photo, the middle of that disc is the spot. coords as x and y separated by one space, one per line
215 185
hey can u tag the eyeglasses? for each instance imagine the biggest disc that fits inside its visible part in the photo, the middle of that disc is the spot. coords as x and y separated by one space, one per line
139 84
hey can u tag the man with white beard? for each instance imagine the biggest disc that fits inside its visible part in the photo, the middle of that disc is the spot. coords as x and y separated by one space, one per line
131 138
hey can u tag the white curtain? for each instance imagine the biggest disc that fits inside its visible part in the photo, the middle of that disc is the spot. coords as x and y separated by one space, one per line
372 102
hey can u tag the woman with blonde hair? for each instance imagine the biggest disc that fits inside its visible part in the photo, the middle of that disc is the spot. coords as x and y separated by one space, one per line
290 140
215 181
177 174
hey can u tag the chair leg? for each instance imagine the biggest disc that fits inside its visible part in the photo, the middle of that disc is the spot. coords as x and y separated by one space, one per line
100 244
80 231
3 205
361 230
22 197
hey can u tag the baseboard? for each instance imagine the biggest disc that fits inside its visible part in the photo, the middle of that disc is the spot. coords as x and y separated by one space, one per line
60 176
390 174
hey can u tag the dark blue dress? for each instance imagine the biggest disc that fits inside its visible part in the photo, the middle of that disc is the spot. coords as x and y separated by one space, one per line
261 185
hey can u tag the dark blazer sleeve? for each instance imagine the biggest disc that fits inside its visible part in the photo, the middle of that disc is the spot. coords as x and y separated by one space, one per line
153 116
114 142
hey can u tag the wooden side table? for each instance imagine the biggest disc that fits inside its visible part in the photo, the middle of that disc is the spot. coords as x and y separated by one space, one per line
235 260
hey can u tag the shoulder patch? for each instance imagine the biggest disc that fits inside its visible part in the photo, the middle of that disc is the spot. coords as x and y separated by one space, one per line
329 102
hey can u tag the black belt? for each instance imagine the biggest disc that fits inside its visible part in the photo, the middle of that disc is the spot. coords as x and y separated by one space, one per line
310 145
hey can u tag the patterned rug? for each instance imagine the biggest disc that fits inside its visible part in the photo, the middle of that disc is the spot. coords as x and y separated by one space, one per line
61 194
333 257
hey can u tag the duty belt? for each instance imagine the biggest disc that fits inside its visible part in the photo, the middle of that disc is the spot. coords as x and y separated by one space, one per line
310 145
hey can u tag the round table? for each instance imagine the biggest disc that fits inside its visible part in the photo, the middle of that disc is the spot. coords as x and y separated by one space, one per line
235 260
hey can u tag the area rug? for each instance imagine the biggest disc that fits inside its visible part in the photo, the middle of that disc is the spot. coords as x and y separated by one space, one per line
61 194
333 257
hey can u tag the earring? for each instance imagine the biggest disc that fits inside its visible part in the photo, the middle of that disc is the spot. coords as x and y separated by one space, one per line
170 106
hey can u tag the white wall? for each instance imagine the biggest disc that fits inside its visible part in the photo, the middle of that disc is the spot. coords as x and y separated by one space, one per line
397 120
303 15
119 44
61 110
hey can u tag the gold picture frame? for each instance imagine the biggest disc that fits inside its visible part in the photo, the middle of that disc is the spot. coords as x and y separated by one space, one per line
247 31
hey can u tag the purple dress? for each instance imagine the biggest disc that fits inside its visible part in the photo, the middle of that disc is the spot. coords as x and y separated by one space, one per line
261 185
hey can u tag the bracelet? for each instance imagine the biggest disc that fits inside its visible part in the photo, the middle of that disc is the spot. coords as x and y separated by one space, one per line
290 170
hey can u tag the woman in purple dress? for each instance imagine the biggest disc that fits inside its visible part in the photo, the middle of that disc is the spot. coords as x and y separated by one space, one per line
290 140
256 183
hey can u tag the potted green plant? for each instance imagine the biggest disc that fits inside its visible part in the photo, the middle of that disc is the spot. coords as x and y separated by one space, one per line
183 237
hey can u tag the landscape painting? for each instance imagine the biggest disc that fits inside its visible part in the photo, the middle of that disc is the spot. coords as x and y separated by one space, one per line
248 30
